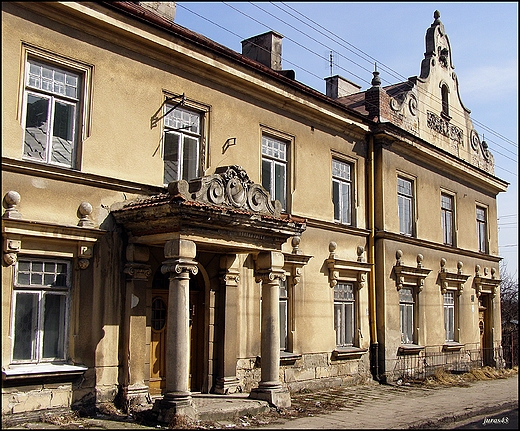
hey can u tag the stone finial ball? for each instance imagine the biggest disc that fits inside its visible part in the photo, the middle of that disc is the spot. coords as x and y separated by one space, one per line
360 250
295 242
443 262
85 208
11 198
332 247
398 254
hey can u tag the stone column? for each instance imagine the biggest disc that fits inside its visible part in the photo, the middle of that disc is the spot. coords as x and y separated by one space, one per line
227 381
180 263
269 271
135 367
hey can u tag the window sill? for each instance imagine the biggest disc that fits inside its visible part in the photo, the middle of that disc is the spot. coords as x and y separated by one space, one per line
409 349
46 370
452 346
348 353
288 358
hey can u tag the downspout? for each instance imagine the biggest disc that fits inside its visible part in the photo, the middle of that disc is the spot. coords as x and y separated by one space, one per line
374 347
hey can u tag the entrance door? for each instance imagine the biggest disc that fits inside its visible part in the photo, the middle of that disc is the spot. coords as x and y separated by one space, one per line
158 341
486 346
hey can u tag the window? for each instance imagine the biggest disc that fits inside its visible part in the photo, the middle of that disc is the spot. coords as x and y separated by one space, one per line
449 315
447 218
274 168
342 191
51 104
344 314
406 314
40 310
445 100
405 205
482 230
284 315
181 144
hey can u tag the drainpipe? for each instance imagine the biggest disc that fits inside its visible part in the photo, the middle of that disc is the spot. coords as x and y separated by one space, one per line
374 347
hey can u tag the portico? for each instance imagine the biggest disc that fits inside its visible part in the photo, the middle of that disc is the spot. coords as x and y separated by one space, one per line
227 217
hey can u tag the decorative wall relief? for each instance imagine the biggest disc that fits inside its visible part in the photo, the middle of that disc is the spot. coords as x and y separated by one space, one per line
443 127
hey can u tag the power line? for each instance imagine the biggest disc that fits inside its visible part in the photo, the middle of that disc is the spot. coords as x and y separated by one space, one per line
313 52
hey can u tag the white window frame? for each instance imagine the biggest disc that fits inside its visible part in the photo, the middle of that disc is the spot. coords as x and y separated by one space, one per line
342 175
82 102
345 315
406 201
450 315
275 160
448 219
185 124
407 315
40 292
284 314
482 228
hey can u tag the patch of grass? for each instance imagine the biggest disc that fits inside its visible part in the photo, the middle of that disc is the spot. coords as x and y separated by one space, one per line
442 377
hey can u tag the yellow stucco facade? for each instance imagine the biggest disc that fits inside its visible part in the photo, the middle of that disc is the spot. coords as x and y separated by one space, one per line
206 283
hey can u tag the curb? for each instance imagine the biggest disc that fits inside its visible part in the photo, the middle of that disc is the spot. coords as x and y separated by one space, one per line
454 418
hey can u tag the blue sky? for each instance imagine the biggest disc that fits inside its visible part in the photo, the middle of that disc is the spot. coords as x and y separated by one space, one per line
483 38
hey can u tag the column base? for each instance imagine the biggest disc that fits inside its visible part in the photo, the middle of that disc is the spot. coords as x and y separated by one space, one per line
227 385
136 397
275 396
174 405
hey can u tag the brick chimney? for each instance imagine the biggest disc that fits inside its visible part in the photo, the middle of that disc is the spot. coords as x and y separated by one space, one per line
265 48
377 100
337 86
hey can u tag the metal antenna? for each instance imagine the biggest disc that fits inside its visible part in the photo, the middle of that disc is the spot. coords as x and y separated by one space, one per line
330 62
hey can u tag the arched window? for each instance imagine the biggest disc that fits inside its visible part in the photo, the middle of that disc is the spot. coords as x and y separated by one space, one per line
445 101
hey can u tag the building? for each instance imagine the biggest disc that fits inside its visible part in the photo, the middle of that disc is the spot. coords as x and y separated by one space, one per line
180 218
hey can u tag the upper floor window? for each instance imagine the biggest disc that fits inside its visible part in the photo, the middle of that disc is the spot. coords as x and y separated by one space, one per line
181 144
344 314
407 315
274 168
482 229
447 218
51 104
405 199
342 191
40 310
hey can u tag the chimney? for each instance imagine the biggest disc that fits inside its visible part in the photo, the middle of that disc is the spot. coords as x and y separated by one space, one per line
337 86
165 9
265 48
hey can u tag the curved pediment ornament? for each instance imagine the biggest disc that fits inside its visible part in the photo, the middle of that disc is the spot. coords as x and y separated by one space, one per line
228 186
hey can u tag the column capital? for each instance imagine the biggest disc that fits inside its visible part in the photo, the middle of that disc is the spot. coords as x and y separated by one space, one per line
269 267
179 267
137 271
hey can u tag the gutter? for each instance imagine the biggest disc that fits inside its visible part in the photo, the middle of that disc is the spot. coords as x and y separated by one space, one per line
374 346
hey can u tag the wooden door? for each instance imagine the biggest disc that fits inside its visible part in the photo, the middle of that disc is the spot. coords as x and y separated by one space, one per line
196 340
158 342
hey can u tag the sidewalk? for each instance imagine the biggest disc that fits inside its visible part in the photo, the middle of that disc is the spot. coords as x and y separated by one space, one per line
371 406
406 407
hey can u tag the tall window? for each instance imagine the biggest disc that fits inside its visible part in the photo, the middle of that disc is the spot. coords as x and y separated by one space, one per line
406 314
51 114
447 218
274 168
482 230
449 315
284 314
181 145
40 310
445 100
342 191
344 314
405 205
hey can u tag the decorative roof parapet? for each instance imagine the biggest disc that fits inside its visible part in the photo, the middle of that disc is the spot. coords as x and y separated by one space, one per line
228 186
